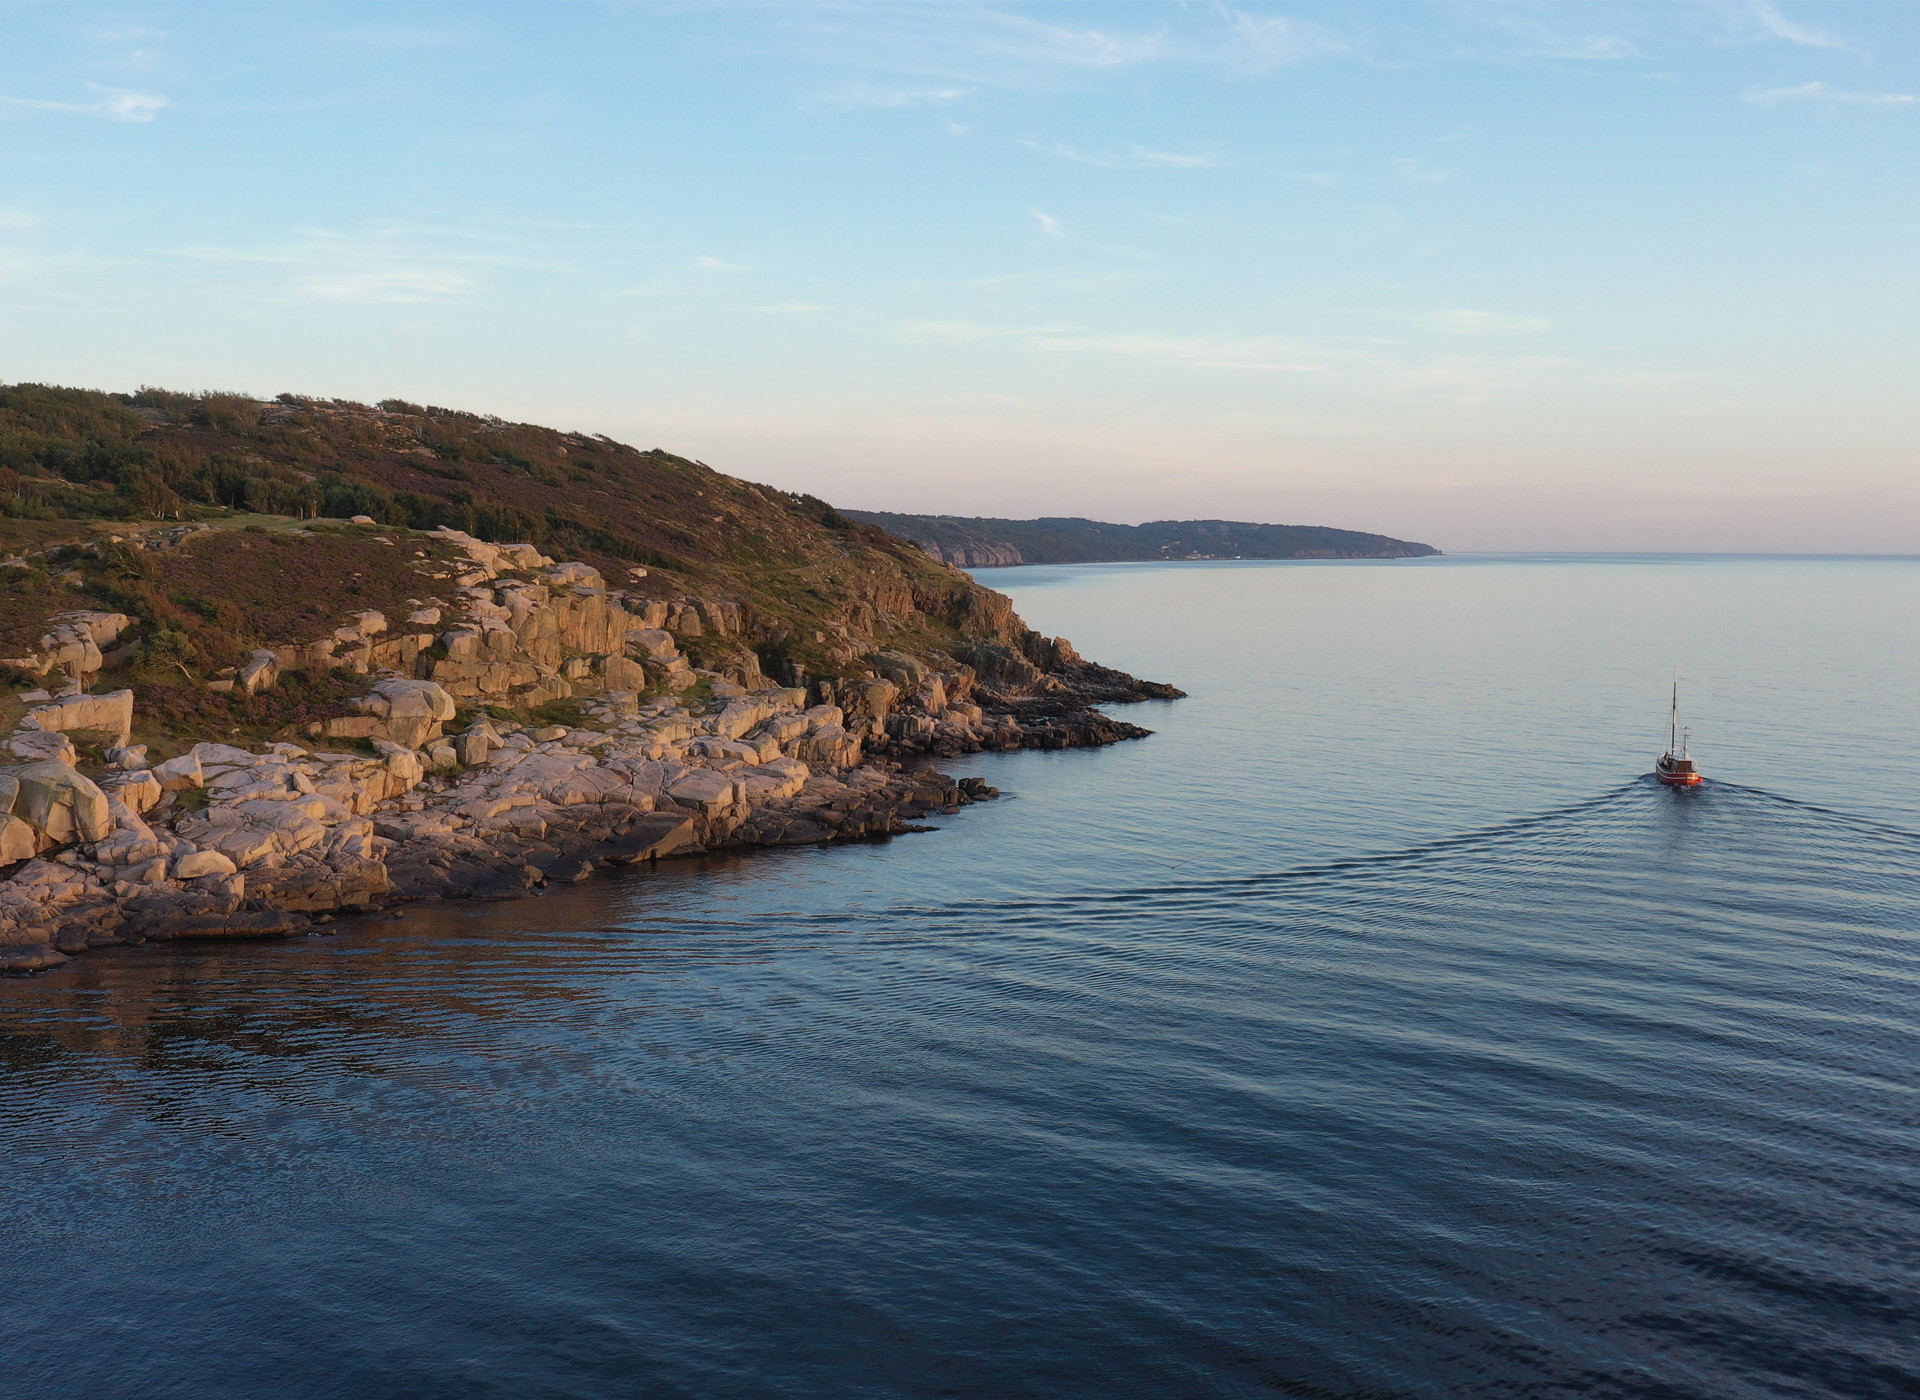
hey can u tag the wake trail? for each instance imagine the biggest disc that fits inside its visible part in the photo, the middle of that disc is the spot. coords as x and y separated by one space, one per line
1640 788
1344 866
1878 828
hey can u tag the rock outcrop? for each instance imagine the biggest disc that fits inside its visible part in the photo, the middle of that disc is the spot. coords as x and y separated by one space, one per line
453 716
270 838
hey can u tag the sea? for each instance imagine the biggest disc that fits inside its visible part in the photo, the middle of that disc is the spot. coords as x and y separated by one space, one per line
1378 1027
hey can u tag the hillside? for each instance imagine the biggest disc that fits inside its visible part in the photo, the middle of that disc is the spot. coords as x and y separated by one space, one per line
221 527
986 542
81 464
249 504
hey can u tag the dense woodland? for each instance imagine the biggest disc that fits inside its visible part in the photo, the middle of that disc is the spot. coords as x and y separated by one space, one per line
1072 540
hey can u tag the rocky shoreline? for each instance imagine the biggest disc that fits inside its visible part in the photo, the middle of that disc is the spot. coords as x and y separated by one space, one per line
279 849
102 844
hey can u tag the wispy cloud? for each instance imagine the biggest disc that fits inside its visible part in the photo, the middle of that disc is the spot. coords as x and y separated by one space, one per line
110 104
1410 171
709 263
1135 158
1048 224
1200 352
14 220
1598 47
385 285
967 332
1466 321
382 266
1772 22
1030 40
790 308
847 96
1262 42
1259 353
1531 34
1820 92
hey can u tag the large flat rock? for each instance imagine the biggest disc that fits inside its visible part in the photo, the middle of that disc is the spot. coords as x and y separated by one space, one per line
653 836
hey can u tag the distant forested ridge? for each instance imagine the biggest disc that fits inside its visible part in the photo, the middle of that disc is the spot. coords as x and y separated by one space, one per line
976 542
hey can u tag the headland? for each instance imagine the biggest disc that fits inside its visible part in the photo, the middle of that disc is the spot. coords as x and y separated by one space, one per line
985 542
273 663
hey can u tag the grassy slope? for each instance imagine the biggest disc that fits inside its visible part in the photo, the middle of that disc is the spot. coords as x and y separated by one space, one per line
76 466
1070 540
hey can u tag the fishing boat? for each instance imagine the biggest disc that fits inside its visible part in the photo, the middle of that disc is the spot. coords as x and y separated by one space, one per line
1675 766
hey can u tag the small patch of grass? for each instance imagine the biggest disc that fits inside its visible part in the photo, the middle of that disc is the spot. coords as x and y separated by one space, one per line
572 713
164 709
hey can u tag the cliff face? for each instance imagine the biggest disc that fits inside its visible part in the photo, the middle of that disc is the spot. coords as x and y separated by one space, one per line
978 542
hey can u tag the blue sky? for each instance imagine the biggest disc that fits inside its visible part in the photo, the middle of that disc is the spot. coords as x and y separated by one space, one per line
1488 275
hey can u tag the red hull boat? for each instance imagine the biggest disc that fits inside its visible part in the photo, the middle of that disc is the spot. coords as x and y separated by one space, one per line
1675 766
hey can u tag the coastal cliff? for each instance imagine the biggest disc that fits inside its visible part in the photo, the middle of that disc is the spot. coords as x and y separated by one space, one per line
273 662
981 542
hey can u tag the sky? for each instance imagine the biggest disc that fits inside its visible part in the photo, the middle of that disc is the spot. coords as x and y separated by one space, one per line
1490 276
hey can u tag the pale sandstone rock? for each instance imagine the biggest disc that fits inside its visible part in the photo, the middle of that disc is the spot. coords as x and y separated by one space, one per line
132 840
196 864
42 746
40 874
178 774
57 802
403 764
618 673
261 673
17 840
523 556
110 713
561 575
407 696
224 755
656 642
149 872
703 791
782 729
413 826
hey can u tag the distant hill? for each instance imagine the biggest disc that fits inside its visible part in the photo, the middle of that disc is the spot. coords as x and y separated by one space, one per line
978 542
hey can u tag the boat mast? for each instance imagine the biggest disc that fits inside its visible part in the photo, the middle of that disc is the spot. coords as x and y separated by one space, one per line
1673 728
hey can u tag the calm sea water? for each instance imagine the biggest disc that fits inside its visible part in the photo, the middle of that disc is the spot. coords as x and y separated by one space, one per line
1375 1029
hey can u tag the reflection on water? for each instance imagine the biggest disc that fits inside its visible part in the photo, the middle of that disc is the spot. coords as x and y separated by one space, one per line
1604 1091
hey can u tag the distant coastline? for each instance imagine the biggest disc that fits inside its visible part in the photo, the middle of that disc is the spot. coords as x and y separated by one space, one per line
987 542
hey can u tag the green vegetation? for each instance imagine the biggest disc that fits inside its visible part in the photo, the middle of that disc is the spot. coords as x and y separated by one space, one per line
221 524
1072 540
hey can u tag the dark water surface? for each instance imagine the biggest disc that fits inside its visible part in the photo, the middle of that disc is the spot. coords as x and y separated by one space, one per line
1374 1029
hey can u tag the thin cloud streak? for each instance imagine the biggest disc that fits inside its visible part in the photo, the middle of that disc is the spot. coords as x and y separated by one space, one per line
851 96
1820 92
1137 158
113 105
1780 27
